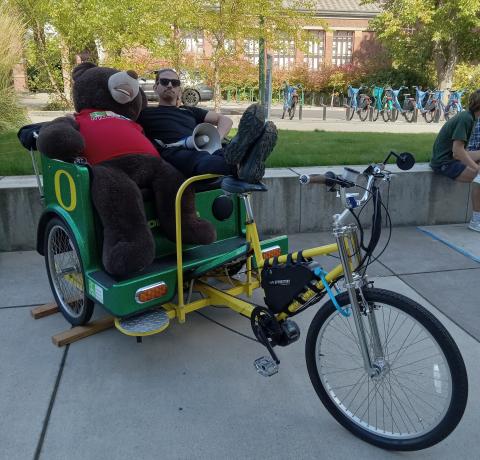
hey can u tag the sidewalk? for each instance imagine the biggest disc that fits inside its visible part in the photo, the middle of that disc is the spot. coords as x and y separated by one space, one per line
312 118
191 392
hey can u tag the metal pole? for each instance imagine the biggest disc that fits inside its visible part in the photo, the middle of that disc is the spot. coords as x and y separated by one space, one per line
268 87
261 65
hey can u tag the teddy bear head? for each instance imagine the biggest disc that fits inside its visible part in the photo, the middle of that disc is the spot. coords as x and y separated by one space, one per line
106 88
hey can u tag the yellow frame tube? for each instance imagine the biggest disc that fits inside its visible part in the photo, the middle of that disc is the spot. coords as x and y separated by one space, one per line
178 237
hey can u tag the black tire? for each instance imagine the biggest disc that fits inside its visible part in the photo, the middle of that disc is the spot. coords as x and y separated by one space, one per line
65 273
386 113
451 112
394 115
292 109
429 115
409 114
363 112
450 362
376 112
190 97
351 113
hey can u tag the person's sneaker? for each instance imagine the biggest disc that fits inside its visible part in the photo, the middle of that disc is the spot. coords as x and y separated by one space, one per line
474 225
249 130
252 168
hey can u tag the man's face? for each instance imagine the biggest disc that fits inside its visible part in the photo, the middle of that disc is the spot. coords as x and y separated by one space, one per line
167 92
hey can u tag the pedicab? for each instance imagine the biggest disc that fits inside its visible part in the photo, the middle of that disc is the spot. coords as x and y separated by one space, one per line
381 364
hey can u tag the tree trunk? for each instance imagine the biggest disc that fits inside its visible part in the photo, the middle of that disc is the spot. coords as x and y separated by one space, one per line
66 69
217 94
40 40
445 57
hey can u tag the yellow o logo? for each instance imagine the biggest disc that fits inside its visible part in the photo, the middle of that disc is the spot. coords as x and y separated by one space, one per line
58 191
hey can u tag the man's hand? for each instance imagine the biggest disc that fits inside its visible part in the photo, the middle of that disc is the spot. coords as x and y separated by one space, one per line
222 122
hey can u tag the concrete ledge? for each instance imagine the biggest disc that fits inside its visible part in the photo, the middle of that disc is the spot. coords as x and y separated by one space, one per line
416 197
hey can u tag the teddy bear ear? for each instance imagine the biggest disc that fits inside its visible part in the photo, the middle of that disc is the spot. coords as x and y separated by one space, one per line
80 69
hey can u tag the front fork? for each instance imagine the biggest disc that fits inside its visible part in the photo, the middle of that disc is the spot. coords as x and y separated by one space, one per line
350 253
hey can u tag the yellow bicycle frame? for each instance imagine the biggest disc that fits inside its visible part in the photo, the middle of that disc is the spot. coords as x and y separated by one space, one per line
228 297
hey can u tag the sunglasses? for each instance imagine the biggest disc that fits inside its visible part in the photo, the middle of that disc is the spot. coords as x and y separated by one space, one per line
165 81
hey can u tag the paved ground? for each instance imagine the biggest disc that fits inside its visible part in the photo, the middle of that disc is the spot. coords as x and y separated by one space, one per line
191 392
312 118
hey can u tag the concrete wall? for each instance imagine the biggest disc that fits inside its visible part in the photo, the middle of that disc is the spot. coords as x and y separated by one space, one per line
416 197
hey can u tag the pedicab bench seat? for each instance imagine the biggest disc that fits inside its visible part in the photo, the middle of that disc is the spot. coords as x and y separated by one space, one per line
67 197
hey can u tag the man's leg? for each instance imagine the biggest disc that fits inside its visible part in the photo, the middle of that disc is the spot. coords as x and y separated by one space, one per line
469 175
195 162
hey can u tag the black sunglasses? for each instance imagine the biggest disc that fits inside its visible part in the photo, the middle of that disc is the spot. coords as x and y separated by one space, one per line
165 81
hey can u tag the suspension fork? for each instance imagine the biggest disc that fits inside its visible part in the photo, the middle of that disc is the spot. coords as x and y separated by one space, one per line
349 250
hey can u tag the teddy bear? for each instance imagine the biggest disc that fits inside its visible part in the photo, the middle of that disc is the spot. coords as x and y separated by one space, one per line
123 161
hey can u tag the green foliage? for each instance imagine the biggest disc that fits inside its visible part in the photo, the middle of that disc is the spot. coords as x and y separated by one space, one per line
420 34
11 33
467 77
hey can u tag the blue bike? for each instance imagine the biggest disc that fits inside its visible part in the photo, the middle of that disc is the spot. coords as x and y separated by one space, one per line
454 104
427 102
391 106
358 102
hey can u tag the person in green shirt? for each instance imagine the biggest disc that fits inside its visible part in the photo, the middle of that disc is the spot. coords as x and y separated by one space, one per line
450 157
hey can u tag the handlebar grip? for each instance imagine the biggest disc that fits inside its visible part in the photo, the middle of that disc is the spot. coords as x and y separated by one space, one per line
328 178
312 179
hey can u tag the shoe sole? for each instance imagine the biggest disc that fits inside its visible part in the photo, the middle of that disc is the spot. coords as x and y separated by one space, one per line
249 130
475 229
253 169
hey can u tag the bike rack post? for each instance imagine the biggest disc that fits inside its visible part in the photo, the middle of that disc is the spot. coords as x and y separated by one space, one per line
370 114
394 115
415 115
347 114
324 112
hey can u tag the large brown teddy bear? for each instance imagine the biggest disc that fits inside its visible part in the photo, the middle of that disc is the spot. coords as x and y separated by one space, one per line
123 160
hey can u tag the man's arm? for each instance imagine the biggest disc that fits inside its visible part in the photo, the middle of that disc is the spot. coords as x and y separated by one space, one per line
222 122
467 158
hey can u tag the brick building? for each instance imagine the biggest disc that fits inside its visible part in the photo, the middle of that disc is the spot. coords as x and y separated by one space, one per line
348 32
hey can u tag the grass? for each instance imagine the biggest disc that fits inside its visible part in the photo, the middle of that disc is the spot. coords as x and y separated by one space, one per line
294 148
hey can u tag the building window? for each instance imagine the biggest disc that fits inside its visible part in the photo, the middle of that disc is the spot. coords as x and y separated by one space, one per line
284 56
313 58
193 42
250 48
342 47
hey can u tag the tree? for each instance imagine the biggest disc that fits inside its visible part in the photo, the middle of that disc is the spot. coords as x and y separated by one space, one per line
229 22
422 33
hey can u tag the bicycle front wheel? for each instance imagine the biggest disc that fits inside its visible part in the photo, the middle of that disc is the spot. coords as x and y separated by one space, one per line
363 112
420 391
375 114
386 113
429 115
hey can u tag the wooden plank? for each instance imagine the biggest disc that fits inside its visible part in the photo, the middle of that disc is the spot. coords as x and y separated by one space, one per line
80 332
44 310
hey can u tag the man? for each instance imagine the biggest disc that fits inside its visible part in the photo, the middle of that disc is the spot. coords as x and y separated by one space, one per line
451 159
244 156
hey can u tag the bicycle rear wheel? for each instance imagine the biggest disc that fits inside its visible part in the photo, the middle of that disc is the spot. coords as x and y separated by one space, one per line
376 112
429 115
386 113
451 112
291 111
363 112
420 392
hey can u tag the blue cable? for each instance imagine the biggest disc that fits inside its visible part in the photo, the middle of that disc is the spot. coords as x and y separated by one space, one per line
321 274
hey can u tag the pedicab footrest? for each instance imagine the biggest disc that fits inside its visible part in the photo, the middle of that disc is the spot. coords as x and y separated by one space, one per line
146 323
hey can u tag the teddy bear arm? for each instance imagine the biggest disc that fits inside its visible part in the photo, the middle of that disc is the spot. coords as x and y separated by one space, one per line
61 139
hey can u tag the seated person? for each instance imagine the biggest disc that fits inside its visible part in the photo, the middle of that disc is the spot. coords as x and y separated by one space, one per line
451 159
245 155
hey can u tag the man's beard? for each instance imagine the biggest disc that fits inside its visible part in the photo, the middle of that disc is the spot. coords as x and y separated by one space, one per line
169 96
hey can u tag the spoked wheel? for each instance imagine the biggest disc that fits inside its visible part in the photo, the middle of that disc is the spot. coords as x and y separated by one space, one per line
451 112
409 114
429 115
65 273
363 112
190 97
376 112
351 113
386 113
419 391
394 115
292 110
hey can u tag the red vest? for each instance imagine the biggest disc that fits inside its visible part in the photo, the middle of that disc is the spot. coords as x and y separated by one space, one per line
108 135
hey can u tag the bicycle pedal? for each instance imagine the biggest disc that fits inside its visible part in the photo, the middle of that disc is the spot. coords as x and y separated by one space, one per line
266 366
